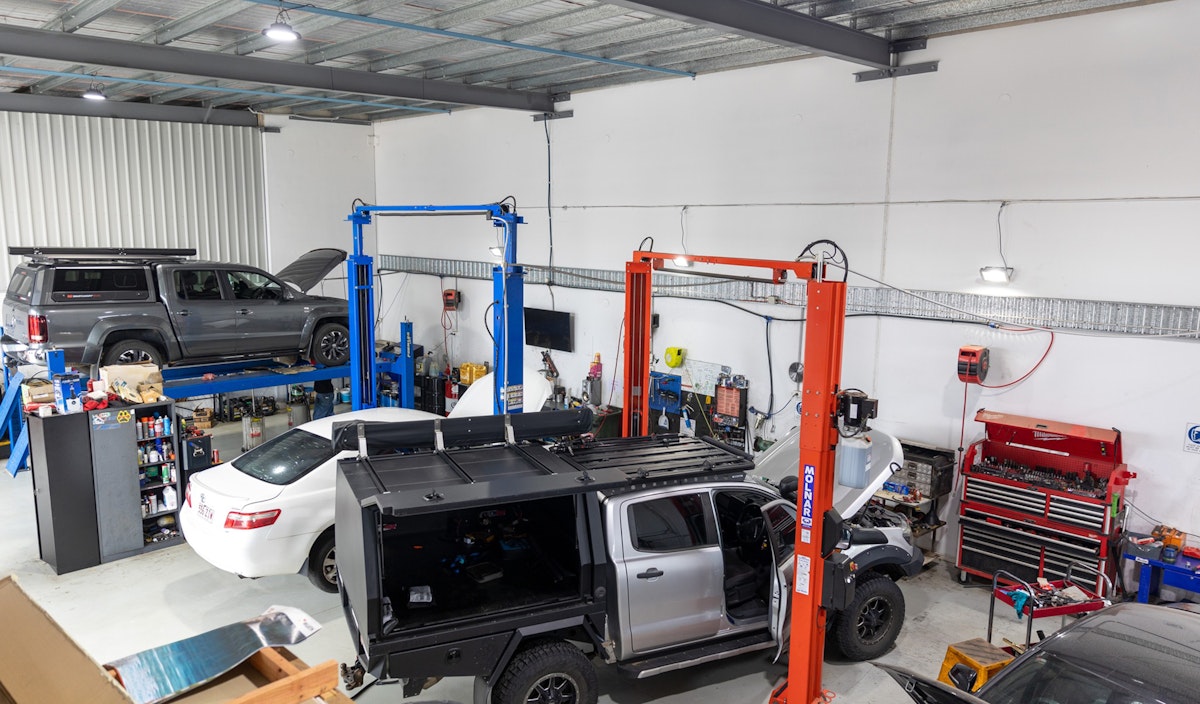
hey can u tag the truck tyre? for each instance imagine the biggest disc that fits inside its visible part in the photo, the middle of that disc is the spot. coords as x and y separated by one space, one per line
553 672
322 569
870 625
331 345
130 352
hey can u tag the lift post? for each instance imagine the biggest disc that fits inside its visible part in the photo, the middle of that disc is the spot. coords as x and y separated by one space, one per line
824 328
508 314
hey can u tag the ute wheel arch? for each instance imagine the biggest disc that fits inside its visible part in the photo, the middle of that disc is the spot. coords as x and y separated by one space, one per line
132 346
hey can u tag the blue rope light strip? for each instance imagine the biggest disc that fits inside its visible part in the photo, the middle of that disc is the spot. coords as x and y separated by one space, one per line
219 89
470 37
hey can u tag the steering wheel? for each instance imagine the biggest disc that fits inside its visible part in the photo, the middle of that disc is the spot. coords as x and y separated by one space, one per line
751 527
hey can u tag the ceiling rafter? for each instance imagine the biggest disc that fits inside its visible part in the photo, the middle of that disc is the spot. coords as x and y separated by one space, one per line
58 46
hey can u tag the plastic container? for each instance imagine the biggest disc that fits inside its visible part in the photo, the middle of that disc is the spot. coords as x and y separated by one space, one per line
852 460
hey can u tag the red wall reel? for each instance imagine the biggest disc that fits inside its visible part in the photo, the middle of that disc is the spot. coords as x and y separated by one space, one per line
972 363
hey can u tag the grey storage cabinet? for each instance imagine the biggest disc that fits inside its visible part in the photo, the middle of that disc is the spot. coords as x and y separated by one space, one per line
92 480
63 492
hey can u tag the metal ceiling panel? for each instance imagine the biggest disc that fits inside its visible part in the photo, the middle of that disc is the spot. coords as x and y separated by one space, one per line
628 30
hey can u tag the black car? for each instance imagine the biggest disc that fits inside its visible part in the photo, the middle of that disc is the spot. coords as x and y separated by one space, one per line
1126 654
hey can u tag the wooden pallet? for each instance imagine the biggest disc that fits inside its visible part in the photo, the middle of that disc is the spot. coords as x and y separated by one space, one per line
271 676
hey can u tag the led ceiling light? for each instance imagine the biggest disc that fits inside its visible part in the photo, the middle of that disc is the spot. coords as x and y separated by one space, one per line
281 29
497 252
996 274
682 261
94 92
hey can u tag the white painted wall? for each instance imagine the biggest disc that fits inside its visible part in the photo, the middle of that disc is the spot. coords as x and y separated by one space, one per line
314 170
1084 125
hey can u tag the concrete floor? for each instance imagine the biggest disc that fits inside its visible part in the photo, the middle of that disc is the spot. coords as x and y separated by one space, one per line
123 607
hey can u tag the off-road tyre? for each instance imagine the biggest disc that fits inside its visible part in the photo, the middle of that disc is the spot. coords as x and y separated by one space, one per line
869 627
549 672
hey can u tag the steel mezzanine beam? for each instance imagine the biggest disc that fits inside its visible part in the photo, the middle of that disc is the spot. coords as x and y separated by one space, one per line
759 20
56 105
58 46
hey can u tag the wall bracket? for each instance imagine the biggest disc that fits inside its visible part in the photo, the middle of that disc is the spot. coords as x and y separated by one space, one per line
897 71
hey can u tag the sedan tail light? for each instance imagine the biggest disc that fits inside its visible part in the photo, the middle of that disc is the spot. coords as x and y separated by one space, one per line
187 494
246 521
38 329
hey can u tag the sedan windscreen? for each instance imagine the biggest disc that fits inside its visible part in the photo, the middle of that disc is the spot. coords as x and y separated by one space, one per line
286 458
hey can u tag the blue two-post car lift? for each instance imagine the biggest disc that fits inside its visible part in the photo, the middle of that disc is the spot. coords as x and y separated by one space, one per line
365 363
508 315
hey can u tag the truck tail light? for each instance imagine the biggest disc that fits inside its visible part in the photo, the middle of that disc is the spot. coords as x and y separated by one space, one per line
187 494
37 329
246 521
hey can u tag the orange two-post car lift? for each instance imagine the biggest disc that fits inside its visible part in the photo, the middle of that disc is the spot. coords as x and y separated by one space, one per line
818 531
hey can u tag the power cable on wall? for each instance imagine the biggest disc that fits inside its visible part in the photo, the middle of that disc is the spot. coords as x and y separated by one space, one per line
549 215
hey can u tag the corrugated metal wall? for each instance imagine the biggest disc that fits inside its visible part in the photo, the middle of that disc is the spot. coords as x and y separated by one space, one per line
103 182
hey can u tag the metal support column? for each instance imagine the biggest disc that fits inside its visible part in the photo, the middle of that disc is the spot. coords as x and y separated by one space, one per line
638 276
360 294
824 329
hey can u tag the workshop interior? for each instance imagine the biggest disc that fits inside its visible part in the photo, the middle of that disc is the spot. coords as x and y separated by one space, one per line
577 351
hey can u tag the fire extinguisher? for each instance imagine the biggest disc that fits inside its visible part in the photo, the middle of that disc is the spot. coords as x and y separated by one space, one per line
451 389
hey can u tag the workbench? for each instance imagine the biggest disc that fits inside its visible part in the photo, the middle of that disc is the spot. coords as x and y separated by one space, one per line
1153 574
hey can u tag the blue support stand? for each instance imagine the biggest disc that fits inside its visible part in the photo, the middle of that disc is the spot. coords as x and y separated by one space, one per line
508 285
13 417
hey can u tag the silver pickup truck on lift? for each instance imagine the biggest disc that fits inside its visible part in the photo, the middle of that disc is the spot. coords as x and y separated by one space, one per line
120 306
481 550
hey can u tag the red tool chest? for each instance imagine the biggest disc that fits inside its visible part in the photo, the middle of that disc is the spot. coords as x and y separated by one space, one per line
1038 495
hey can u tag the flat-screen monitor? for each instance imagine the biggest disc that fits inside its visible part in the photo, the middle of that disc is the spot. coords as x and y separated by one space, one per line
550 329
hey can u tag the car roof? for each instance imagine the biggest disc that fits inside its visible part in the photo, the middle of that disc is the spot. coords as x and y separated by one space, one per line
1156 647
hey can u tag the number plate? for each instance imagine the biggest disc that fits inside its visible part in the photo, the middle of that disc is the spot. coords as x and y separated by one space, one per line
205 511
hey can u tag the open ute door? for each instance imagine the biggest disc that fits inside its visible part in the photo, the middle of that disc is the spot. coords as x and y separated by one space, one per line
780 520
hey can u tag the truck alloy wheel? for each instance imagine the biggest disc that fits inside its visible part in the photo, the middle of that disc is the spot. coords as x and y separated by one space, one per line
331 345
869 626
132 352
553 672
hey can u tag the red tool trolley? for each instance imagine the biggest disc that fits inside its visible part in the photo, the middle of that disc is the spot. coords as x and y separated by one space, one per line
1039 495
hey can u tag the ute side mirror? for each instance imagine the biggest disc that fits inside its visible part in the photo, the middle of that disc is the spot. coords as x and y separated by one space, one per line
963 676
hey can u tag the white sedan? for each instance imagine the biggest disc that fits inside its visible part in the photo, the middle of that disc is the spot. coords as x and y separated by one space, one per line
270 511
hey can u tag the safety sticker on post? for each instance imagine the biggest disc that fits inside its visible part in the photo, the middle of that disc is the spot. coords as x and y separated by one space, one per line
809 492
803 573
515 396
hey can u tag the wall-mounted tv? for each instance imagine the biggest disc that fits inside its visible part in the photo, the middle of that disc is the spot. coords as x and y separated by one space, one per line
550 329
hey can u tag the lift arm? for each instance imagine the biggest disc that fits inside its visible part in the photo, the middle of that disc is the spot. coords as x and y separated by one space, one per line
826 319
508 316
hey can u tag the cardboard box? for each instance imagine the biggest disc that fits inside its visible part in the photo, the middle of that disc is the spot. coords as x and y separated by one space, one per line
37 391
68 393
202 418
136 383
40 663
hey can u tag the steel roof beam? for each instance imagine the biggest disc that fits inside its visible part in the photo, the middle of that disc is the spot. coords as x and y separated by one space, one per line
614 41
26 102
769 23
437 20
58 46
571 18
82 13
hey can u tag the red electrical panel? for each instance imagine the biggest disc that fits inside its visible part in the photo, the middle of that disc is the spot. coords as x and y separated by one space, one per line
1038 495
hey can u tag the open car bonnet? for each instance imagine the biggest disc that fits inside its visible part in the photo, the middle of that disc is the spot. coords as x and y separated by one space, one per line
307 271
783 459
926 691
